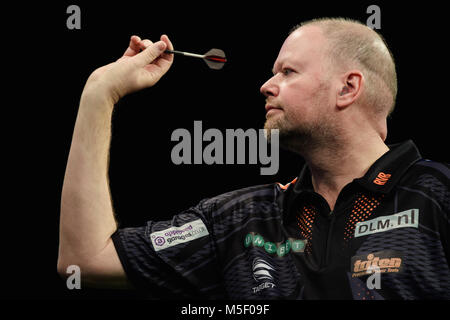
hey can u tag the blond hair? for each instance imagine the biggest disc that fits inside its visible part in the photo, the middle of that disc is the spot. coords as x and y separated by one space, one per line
353 44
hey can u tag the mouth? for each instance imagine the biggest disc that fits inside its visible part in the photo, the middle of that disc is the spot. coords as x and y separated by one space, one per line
271 108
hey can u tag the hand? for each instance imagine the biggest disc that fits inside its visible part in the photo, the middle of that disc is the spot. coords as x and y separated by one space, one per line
134 71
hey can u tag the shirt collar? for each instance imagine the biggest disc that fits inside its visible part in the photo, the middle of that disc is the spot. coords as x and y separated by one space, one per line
387 171
382 176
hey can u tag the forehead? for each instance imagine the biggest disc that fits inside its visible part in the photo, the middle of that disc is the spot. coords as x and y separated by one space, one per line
304 46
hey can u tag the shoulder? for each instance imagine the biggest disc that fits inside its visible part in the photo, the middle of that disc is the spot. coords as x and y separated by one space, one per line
241 197
428 173
429 179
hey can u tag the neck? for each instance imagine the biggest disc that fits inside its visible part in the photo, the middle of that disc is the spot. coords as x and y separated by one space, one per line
335 165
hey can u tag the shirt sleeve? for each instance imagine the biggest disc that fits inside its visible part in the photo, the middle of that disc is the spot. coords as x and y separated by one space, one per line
174 258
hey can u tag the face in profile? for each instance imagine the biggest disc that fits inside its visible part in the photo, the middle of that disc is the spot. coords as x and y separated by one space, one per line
299 99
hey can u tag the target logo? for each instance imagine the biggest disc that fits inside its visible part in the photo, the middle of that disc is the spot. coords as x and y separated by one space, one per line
261 270
261 274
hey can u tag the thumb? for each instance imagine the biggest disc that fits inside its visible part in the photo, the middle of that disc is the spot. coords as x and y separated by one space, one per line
150 53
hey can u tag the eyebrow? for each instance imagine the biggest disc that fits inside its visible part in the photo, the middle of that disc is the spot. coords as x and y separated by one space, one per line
290 64
278 64
274 68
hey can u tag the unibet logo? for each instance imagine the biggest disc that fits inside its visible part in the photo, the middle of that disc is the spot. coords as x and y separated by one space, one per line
280 248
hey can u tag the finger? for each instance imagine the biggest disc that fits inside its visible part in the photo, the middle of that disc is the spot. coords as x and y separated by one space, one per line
133 47
144 44
166 59
166 39
152 52
167 56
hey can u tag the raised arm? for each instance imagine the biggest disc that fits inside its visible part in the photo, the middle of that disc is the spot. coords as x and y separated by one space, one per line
87 216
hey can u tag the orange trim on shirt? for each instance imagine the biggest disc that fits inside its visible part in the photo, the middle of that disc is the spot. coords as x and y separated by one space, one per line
285 186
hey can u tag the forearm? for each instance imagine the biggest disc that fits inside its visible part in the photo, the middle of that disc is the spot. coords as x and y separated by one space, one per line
87 219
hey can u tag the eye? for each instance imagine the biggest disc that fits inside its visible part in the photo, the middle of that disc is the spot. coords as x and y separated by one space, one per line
287 71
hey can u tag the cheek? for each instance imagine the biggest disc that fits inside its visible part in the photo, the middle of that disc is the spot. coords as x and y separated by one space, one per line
298 96
305 101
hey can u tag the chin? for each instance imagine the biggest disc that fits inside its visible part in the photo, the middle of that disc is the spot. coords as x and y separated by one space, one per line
273 123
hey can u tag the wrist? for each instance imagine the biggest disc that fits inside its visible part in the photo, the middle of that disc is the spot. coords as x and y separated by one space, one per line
98 97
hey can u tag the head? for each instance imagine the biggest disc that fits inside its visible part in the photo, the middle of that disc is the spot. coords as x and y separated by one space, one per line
332 76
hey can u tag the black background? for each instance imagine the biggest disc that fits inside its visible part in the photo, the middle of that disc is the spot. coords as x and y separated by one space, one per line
51 63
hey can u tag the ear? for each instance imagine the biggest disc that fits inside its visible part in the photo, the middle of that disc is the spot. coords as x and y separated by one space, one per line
350 88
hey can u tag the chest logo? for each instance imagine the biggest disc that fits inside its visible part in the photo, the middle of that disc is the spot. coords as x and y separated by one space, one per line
388 261
261 270
404 219
382 178
261 274
279 248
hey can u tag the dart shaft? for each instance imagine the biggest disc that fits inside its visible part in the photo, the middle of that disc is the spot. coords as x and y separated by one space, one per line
188 54
214 58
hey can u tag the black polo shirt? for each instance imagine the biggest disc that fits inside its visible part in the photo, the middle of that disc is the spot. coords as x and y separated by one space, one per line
387 238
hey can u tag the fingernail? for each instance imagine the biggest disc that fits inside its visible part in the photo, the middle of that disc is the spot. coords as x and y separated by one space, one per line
161 45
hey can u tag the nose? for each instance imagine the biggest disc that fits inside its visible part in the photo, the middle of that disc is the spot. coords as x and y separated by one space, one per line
270 88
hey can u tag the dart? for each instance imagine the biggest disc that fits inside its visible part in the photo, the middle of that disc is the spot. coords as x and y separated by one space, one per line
214 58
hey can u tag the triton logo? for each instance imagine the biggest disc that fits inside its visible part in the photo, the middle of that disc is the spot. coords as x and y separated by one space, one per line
388 261
382 178
261 273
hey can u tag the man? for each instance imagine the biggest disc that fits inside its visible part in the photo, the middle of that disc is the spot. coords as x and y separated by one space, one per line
362 220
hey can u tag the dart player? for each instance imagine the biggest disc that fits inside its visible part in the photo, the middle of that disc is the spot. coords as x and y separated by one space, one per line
363 220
